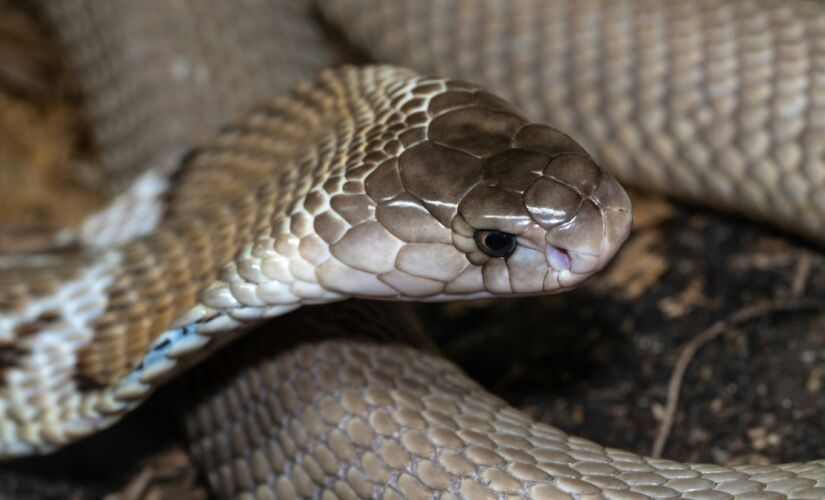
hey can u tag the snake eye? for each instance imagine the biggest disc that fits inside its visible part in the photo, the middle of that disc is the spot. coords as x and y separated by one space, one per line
495 243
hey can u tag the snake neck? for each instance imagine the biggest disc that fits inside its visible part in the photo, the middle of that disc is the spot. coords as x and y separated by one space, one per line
243 211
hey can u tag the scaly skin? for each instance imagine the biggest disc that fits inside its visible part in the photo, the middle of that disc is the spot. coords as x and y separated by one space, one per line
373 182
718 101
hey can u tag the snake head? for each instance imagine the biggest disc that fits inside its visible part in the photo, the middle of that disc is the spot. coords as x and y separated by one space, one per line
459 196
527 206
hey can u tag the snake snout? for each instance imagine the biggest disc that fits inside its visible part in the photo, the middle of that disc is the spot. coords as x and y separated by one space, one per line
585 215
593 235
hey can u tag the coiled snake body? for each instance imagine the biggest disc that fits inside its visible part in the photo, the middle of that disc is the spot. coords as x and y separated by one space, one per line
377 182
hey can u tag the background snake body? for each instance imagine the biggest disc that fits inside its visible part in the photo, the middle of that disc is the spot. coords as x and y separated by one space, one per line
377 182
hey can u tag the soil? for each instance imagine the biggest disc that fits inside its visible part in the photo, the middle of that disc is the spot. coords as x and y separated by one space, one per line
595 362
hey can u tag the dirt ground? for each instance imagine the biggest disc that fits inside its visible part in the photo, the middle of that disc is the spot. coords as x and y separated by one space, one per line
596 362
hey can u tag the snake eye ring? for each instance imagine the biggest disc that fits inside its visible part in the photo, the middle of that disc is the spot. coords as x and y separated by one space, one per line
495 243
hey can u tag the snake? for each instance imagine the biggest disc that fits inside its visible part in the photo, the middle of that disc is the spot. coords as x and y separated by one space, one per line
252 176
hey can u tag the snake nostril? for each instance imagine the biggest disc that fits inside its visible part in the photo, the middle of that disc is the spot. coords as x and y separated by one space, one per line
559 258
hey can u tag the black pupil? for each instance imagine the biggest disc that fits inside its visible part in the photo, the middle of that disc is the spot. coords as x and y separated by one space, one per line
496 243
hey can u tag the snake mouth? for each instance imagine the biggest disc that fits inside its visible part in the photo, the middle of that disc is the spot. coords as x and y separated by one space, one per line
558 258
568 268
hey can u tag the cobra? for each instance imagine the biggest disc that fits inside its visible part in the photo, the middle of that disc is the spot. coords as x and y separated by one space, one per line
377 182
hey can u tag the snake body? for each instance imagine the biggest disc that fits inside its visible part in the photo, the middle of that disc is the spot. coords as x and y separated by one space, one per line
378 182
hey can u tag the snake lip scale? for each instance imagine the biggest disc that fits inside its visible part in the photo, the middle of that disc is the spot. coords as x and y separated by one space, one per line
252 180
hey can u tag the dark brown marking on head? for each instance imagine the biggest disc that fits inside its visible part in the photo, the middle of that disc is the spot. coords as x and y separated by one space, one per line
546 140
461 85
375 155
515 169
577 171
417 119
475 130
413 136
439 176
393 147
450 100
491 207
384 182
427 88
493 102
412 105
